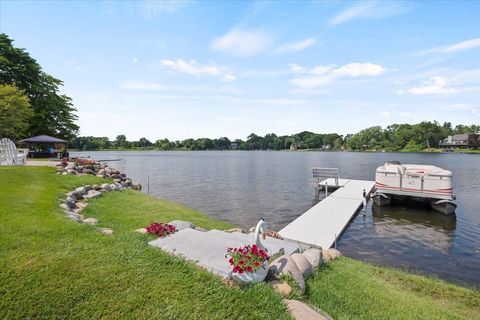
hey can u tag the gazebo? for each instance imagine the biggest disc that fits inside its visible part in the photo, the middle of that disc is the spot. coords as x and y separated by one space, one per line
45 147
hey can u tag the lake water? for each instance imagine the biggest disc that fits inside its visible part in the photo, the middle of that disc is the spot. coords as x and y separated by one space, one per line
240 187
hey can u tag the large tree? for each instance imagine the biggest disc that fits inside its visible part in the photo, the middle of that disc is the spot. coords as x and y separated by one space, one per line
15 112
53 112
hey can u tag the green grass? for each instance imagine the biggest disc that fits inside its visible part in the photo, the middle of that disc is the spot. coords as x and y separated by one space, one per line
350 289
51 267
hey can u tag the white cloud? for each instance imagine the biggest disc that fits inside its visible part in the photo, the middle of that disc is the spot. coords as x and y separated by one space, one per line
360 69
135 60
229 77
297 68
434 85
386 114
369 9
312 82
191 67
292 47
405 114
152 8
455 47
324 75
243 43
321 69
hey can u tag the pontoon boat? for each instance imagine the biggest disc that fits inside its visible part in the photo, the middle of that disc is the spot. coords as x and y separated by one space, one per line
423 182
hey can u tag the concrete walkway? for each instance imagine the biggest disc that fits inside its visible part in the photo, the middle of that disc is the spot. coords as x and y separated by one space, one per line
208 249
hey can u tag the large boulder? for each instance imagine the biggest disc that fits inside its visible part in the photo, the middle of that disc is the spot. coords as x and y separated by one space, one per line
302 311
285 265
106 187
303 265
314 256
282 287
180 224
92 194
71 202
137 186
331 254
79 192
74 216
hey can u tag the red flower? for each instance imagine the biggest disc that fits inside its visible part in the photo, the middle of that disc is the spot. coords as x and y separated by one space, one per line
249 269
231 261
241 262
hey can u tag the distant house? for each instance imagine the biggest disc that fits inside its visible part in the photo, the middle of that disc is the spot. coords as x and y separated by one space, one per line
464 140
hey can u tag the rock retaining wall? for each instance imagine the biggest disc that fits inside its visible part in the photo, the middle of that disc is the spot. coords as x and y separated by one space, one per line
77 200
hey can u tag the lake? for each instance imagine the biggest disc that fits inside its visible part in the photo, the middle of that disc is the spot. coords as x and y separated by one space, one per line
242 186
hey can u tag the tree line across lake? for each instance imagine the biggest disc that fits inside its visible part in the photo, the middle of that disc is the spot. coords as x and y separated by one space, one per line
395 137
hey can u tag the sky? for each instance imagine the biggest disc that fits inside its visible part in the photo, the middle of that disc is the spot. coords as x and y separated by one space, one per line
191 69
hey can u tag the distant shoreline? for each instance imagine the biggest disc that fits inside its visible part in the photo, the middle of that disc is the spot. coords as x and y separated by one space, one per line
438 151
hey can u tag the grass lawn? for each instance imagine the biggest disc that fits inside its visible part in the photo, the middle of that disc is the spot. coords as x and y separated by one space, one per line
51 267
350 289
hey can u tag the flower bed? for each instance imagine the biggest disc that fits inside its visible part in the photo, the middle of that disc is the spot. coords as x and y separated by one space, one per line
161 229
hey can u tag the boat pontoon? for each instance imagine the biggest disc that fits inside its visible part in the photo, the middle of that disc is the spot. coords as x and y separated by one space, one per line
423 182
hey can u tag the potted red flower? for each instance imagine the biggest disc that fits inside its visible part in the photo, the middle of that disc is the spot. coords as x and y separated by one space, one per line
250 264
161 229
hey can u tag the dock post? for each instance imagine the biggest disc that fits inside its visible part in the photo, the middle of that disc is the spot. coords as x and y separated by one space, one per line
326 189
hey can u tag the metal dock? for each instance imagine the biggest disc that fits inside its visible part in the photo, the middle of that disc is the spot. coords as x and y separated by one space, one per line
322 224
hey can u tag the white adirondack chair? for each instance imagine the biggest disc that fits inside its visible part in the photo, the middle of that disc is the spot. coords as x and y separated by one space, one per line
10 155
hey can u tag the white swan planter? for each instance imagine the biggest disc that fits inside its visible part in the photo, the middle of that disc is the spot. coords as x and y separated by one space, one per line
259 274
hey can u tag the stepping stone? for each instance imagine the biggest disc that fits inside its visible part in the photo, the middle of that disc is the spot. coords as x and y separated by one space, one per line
282 287
106 231
208 249
301 311
91 221
180 224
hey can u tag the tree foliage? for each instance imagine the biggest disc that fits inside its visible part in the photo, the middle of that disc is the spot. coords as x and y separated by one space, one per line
15 112
395 137
53 112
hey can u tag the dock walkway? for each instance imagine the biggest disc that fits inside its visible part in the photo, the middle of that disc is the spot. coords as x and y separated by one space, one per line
322 224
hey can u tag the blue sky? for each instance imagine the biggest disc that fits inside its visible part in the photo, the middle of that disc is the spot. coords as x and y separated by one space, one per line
209 69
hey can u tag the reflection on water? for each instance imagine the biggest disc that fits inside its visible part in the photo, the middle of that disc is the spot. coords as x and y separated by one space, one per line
423 226
241 187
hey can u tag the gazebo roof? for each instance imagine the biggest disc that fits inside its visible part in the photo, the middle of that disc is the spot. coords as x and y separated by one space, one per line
42 139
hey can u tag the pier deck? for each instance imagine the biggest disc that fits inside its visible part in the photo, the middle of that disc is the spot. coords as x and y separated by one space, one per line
322 224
